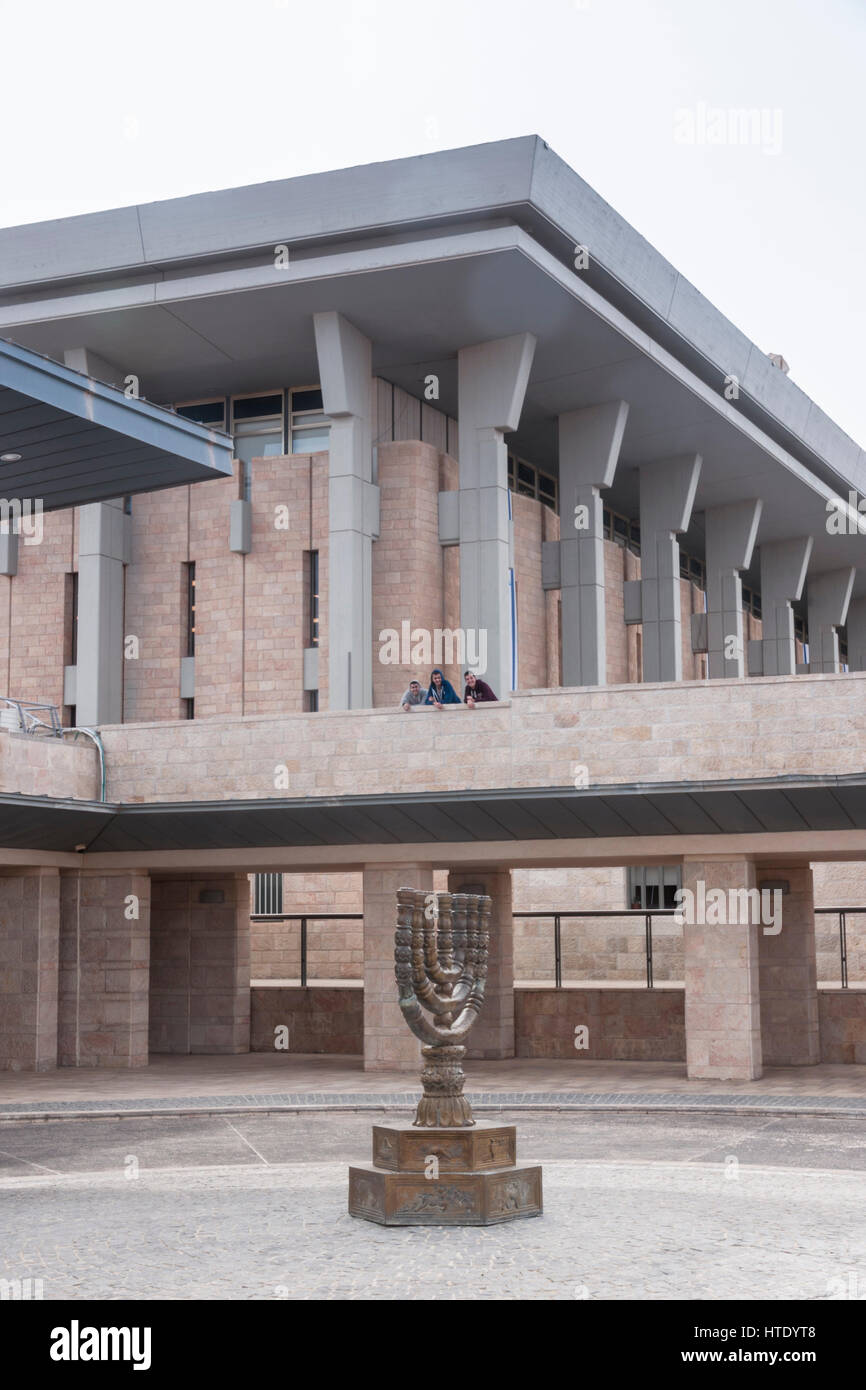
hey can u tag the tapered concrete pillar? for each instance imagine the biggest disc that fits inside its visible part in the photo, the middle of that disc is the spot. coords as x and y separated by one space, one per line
667 494
723 1024
389 1044
788 972
200 964
492 380
827 597
730 540
103 550
856 626
589 446
783 574
29 945
353 509
493 1034
104 969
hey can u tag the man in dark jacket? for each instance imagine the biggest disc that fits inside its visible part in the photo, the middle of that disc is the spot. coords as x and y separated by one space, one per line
477 691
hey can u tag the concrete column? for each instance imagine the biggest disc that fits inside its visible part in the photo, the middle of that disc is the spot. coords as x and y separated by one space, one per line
856 625
200 965
723 1025
492 380
389 1045
104 969
29 944
493 1034
667 494
788 973
828 596
730 540
345 372
589 445
103 550
783 574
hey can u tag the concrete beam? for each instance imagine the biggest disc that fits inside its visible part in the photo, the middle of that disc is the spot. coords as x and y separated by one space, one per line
589 446
345 371
492 381
730 540
827 598
783 574
667 495
856 624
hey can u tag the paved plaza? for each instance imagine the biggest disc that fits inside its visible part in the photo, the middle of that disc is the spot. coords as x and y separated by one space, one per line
254 1207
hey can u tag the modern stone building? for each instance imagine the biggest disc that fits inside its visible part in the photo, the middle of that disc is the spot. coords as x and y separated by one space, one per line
475 420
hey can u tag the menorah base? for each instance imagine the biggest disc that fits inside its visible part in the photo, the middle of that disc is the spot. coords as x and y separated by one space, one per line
443 1104
454 1199
444 1177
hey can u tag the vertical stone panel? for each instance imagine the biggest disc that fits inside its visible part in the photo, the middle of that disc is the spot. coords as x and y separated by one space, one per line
156 605
723 1025
36 623
29 943
200 988
104 969
788 974
219 598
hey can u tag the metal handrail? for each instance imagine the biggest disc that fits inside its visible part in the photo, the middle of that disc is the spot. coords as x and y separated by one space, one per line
28 712
304 918
647 913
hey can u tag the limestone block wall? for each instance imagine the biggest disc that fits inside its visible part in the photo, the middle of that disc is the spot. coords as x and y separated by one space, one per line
318 1019
634 1025
35 613
410 583
661 732
842 1015
37 766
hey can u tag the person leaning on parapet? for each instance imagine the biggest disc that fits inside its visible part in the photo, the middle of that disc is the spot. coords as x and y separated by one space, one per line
413 696
441 691
477 692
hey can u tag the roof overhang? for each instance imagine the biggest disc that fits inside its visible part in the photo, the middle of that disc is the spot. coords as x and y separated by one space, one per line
80 440
677 812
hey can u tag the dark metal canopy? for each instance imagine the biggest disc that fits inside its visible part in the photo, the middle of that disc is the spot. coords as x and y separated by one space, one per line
80 440
775 806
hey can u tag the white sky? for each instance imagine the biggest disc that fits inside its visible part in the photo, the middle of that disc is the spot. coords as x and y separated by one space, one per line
107 103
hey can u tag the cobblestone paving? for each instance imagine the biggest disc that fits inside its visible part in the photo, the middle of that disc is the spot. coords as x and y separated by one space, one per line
481 1100
255 1208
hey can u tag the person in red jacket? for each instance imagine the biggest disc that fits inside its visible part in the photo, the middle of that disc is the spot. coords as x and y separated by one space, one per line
476 692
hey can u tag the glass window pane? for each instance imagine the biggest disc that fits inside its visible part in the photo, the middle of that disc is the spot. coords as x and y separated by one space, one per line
254 407
206 413
307 400
310 441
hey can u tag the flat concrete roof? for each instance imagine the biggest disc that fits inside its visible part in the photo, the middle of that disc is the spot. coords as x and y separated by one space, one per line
426 255
81 440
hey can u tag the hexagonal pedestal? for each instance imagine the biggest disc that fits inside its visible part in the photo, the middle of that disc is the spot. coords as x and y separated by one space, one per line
477 1181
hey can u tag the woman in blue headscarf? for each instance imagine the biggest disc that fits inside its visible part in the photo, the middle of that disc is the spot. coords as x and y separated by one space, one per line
441 691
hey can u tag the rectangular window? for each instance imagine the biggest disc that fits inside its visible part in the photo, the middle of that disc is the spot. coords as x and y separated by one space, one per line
268 897
190 609
313 598
310 425
311 701
73 618
212 412
653 885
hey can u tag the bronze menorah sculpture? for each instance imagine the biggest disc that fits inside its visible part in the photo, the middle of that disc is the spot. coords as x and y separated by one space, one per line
441 967
444 1169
